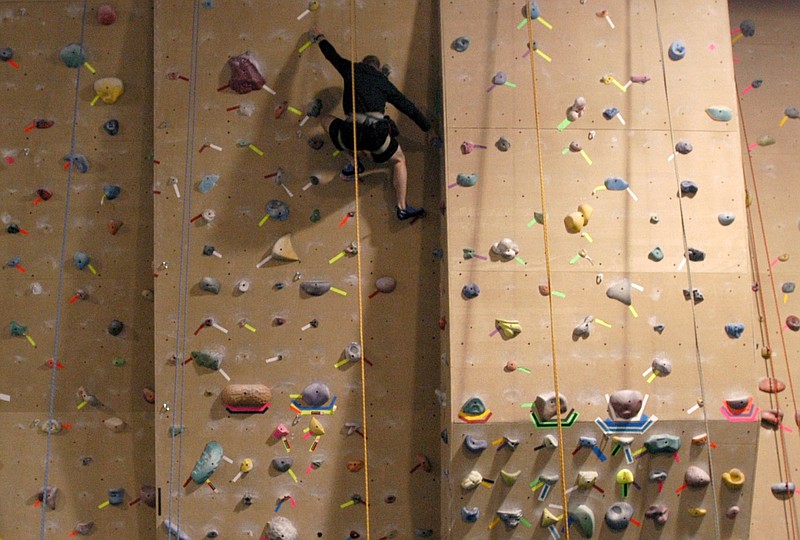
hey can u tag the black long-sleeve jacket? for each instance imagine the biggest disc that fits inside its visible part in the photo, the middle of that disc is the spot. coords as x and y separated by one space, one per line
373 89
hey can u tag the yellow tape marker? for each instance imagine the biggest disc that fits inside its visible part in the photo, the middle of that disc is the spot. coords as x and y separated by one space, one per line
340 363
736 38
103 504
95 100
263 220
545 23
303 47
30 340
633 311
339 291
336 257
348 503
294 476
89 67
249 327
783 121
295 111
91 268
601 322
543 55
82 404
255 149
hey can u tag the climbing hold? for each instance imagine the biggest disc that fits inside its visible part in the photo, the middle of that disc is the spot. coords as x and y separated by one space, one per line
6 54
546 407
353 351
475 446
697 512
315 288
111 126
748 28
50 426
470 515
115 327
772 418
116 496
280 528
467 180
574 222
734 330
657 476
506 249
472 480
733 478
246 398
771 385
73 55
85 527
625 404
683 147
677 50
474 406
208 360
460 44
610 113
385 284
695 477
583 330
210 284
619 516
109 89
79 161
504 145
656 254
532 8
783 490
659 328
316 394
788 287
509 478
283 464
661 367
792 112
106 14
583 517
207 183
793 322
117 425
500 78
315 216
470 290
508 328
659 513
688 188
208 462
111 192
548 518
81 260
277 210
316 142
586 479
732 512
663 444
577 109
47 496
726 218
149 395
510 518
620 290
510 366
575 146
695 255
17 329
765 140
720 114
245 76
654 219
615 184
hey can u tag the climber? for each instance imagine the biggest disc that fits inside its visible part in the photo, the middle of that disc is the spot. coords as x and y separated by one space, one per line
377 133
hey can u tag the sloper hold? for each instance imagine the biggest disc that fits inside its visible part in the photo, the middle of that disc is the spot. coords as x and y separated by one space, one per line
663 444
621 291
208 462
677 50
583 517
474 445
509 478
282 464
470 515
315 288
659 513
316 394
783 490
720 113
771 385
695 477
733 479
618 516
615 184
73 55
625 404
461 44
545 405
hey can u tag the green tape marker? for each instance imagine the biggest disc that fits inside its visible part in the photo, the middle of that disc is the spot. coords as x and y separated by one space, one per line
520 260
563 125
559 294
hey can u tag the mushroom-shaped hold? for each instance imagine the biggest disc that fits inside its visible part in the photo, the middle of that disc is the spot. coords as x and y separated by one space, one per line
621 290
783 490
510 518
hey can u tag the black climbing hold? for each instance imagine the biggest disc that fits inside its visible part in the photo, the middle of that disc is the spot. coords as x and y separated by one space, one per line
111 126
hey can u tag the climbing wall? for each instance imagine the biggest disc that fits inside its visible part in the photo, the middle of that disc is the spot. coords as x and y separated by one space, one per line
205 133
67 313
620 307
770 170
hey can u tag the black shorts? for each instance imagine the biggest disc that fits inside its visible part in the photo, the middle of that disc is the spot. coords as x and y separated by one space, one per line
375 136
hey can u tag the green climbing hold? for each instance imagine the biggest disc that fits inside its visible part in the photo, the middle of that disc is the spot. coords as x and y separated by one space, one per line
473 406
119 362
17 329
720 114
656 254
315 216
73 55
205 359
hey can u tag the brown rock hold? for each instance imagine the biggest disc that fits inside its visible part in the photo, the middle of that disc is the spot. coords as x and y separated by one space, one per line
793 322
355 466
149 395
771 385
114 225
625 404
659 513
106 14
246 395
544 290
695 477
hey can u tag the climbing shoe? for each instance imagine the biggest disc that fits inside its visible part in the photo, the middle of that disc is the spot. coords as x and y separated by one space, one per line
349 171
409 212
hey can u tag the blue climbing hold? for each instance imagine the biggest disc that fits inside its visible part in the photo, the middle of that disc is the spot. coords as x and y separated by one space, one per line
615 183
677 50
734 330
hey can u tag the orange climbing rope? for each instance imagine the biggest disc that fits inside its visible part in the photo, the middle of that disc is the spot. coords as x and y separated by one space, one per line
548 270
785 472
353 34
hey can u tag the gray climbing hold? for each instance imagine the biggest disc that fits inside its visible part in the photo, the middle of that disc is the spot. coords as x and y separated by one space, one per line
618 516
500 78
655 254
663 444
765 140
677 50
353 351
792 112
474 445
208 462
282 464
111 192
116 496
734 330
695 477
533 9
315 288
81 260
659 328
210 284
115 327
470 515
461 44
47 496
6 54
207 183
621 291
659 513
657 476
615 184
584 329
732 512
720 114
748 28
470 290
683 147
207 359
473 406
79 161
280 528
504 145
85 527
783 490
625 404
583 517
278 210
316 394
467 180
385 284
726 218
510 518
788 287
695 255
545 405
73 55
688 188
661 367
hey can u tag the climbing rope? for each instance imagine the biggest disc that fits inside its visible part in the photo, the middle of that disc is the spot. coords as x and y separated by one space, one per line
785 472
353 35
181 324
698 355
549 273
59 295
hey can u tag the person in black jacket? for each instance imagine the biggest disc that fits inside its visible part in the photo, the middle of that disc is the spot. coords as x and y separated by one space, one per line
376 133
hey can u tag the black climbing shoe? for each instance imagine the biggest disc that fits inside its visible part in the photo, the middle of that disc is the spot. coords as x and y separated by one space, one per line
410 212
349 171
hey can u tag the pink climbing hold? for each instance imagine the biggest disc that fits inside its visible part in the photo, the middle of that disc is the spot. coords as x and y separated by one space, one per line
106 14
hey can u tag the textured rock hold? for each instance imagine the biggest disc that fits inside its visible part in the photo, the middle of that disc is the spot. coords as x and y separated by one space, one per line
695 477
659 513
663 444
316 394
315 288
472 480
206 359
471 290
208 462
245 76
210 284
720 113
618 516
280 528
282 464
546 404
106 14
621 291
